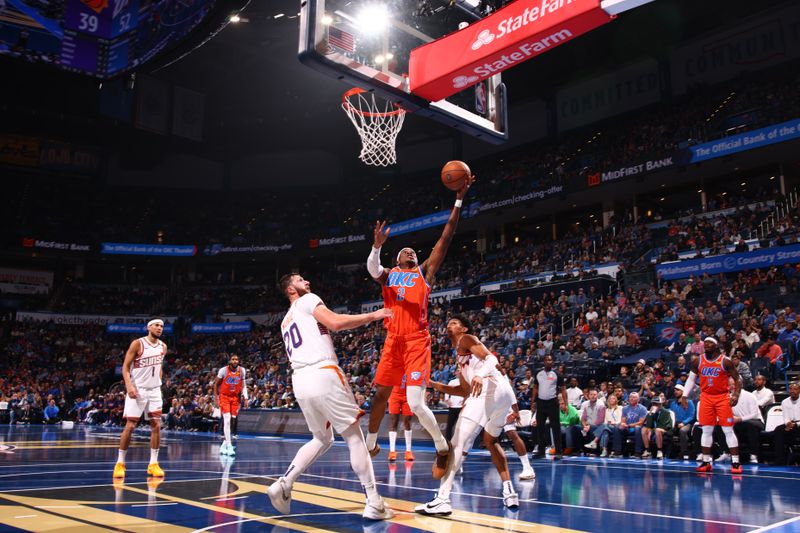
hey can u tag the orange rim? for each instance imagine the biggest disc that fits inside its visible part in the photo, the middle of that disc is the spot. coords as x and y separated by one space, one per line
357 90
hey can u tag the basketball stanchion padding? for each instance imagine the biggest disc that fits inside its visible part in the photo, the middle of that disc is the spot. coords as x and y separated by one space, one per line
378 122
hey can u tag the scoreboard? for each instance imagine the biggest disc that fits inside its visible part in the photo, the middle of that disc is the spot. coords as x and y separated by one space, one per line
102 38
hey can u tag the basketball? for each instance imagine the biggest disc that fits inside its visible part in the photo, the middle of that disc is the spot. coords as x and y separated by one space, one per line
454 173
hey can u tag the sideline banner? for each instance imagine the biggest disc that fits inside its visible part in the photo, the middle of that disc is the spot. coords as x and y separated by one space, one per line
78 320
26 277
163 250
434 297
222 327
777 133
138 328
761 258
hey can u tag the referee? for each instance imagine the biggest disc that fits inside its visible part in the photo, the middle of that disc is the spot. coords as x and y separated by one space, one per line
546 387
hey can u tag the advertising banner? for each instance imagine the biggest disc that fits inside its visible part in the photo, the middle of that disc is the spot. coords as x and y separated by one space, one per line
138 328
760 258
30 242
222 327
71 158
532 195
777 133
75 319
614 93
26 277
217 249
18 288
519 31
666 334
19 151
438 296
645 167
163 250
330 241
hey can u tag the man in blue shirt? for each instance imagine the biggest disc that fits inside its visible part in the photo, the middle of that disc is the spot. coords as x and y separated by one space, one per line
684 410
790 334
633 416
51 413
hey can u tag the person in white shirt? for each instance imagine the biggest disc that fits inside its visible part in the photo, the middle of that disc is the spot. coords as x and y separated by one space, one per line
751 336
574 393
322 392
764 396
591 315
748 423
788 432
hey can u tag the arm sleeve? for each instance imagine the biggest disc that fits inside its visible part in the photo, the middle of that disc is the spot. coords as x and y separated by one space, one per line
308 303
687 388
374 263
244 384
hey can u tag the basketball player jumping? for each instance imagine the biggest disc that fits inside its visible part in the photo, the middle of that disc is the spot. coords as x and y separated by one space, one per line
490 404
407 350
228 388
322 391
143 385
715 370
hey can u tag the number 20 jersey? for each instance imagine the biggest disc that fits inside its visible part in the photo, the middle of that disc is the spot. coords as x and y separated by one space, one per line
306 340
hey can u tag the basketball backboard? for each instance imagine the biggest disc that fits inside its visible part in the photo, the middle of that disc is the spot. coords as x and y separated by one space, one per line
367 44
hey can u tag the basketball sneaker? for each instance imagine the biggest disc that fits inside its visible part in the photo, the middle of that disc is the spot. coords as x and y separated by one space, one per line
154 482
527 473
703 468
435 507
510 499
736 468
375 451
155 470
409 455
377 510
392 456
440 464
119 470
280 494
591 446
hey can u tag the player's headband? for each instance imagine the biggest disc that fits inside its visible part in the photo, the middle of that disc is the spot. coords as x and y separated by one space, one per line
155 321
711 339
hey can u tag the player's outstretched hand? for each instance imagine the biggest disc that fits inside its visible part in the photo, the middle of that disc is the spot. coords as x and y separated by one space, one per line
462 192
380 234
382 313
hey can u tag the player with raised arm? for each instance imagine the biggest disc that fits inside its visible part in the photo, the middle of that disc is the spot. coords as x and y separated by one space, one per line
322 391
141 372
230 388
490 404
407 349
715 370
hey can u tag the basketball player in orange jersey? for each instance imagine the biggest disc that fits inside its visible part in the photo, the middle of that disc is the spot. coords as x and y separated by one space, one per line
398 405
715 370
407 350
228 388
142 372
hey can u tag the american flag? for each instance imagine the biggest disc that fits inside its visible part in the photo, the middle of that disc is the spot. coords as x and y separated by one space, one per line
341 39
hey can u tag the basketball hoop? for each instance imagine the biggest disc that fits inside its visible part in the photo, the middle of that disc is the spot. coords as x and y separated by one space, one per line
376 123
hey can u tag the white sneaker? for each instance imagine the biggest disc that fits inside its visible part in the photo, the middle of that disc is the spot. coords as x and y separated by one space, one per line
591 446
527 473
377 511
660 455
280 494
604 453
645 455
511 500
435 507
685 457
753 459
699 458
724 458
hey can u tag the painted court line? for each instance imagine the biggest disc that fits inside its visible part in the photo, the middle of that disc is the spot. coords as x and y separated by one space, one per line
242 476
776 525
621 511
154 504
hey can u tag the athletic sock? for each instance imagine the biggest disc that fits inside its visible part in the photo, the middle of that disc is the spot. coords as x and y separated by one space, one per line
121 456
372 440
392 440
153 456
734 459
408 435
508 487
526 463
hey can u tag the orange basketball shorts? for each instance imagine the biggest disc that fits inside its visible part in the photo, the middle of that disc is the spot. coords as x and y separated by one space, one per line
398 404
405 355
715 410
229 404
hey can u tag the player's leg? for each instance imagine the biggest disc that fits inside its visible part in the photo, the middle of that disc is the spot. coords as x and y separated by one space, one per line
388 374
132 412
407 433
362 466
394 418
154 412
225 411
510 497
463 435
706 417
417 372
522 453
724 414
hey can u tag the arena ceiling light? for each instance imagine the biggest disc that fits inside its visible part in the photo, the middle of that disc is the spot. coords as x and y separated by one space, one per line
373 19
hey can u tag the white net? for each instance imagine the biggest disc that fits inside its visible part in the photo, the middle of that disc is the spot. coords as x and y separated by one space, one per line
377 123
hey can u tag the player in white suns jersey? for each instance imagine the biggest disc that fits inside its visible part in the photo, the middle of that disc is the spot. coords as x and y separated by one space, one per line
322 391
490 404
141 372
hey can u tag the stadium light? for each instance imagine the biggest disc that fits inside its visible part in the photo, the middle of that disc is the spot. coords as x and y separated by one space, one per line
235 18
327 20
373 19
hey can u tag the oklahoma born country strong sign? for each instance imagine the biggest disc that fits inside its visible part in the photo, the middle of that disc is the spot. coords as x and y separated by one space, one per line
516 33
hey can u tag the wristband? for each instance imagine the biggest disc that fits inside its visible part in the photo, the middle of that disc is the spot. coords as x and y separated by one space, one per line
459 202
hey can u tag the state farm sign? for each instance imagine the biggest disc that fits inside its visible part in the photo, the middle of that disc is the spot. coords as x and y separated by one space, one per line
516 33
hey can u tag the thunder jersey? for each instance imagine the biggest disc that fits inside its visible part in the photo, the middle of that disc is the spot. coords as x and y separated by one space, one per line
307 341
146 371
406 294
232 382
713 376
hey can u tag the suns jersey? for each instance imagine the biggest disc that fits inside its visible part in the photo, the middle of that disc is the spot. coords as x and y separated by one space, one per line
232 382
146 369
713 376
406 294
494 381
307 341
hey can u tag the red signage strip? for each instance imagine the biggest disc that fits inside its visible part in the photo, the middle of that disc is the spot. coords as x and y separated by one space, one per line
520 31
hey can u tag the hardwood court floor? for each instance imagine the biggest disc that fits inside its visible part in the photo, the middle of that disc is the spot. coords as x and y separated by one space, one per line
60 480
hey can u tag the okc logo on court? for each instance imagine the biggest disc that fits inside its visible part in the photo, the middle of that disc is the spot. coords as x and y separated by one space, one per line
484 37
459 82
